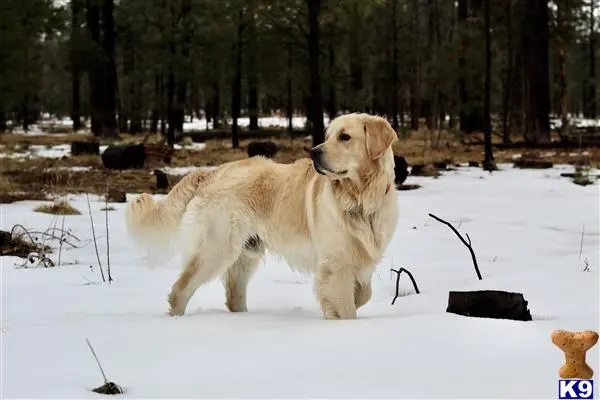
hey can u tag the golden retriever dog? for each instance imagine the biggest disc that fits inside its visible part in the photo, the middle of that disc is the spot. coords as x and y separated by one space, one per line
332 215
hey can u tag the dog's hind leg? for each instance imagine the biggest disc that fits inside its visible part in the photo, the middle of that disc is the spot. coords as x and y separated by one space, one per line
215 245
198 271
238 275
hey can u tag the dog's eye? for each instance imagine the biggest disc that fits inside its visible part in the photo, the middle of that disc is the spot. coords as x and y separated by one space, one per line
344 137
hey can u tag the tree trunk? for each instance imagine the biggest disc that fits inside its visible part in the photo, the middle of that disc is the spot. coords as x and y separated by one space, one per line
102 71
506 104
236 95
488 163
208 109
394 74
429 106
156 105
290 94
110 69
415 72
462 62
171 96
3 126
562 62
253 109
471 111
331 103
216 105
94 70
25 113
536 63
178 105
75 73
316 101
591 109
355 61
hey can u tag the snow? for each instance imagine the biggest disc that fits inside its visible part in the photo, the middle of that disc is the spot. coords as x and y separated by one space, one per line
195 146
526 228
38 150
184 170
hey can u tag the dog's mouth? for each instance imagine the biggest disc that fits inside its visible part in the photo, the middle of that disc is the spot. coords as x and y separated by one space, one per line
324 171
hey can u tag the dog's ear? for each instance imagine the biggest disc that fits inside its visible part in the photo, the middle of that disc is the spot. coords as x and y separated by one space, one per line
379 136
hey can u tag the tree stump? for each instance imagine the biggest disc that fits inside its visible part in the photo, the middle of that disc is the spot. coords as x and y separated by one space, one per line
162 181
5 238
532 163
267 149
116 196
124 156
423 170
489 304
441 165
158 153
400 170
79 148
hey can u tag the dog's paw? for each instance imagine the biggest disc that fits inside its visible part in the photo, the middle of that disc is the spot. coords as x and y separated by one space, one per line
175 313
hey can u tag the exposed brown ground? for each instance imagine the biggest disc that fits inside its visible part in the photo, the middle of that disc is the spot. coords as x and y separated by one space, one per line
38 178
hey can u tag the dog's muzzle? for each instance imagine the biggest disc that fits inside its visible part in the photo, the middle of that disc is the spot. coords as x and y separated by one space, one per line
315 156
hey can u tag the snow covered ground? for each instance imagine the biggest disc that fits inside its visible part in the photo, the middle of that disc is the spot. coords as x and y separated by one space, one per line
526 230
38 150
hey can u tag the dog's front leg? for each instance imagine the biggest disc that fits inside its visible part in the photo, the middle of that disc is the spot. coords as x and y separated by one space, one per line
334 287
362 287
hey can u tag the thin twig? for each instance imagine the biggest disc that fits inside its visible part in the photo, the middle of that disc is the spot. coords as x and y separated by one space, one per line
61 240
468 244
94 236
398 272
110 279
96 357
68 232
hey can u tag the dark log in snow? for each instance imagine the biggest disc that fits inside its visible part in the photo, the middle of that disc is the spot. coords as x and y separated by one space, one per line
400 170
533 163
267 149
489 304
79 147
124 156
162 181
116 196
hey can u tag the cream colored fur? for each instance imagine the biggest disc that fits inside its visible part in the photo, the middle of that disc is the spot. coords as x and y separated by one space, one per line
332 216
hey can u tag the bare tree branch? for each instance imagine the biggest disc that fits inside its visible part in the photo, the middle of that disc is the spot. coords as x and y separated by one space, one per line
468 244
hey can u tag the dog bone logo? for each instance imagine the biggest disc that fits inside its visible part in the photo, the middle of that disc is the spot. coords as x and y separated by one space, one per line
575 345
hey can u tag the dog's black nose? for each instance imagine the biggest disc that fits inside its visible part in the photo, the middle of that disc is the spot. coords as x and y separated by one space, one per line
315 153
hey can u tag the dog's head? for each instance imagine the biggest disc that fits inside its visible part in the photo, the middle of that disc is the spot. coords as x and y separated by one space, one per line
354 144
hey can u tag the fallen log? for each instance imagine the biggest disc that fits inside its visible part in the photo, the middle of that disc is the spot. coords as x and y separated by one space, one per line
532 163
266 149
80 147
128 156
489 304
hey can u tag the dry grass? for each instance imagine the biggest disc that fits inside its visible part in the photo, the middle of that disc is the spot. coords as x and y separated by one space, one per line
58 208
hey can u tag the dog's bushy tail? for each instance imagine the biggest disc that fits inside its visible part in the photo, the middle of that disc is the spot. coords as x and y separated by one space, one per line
154 224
